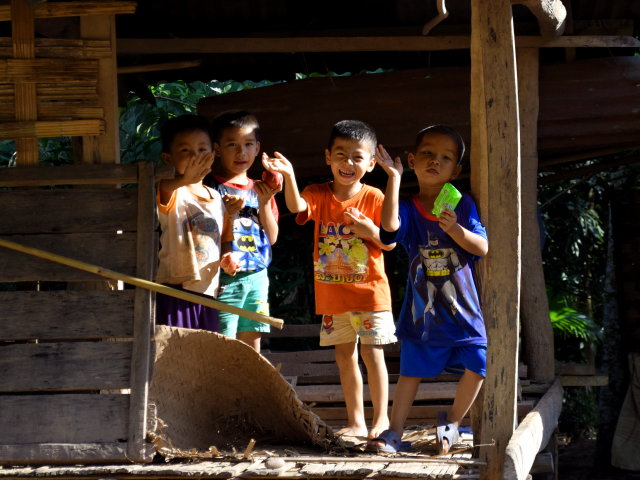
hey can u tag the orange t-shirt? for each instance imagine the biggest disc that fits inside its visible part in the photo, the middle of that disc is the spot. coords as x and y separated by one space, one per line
348 271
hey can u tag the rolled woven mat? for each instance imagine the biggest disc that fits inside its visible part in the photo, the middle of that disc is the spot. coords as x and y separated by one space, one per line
214 391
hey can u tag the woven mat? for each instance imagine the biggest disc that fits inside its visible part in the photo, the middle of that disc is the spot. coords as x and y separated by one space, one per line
214 391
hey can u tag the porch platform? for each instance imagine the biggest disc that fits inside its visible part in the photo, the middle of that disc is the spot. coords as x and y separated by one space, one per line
285 462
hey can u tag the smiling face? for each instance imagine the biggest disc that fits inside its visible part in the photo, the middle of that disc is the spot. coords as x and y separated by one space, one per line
349 160
186 145
435 160
237 149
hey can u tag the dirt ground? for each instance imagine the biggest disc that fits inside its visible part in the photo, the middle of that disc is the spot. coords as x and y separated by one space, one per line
578 461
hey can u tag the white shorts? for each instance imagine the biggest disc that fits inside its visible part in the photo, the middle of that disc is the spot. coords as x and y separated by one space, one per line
372 328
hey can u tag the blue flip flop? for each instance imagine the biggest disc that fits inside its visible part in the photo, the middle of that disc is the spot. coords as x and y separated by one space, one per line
446 430
392 443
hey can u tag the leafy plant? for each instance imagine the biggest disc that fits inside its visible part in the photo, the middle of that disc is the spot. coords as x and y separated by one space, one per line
577 334
141 119
571 323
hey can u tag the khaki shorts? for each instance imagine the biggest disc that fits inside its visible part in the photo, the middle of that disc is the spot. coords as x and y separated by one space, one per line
372 328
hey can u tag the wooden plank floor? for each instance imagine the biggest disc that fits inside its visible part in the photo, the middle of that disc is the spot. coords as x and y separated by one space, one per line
296 462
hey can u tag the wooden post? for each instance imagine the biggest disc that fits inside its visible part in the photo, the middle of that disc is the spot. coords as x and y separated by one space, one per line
537 332
104 148
144 316
26 104
533 434
495 179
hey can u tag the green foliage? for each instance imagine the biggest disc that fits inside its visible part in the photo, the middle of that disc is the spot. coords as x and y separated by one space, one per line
576 334
571 323
575 214
302 76
141 119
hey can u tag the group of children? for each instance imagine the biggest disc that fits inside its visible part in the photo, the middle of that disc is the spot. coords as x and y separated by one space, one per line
214 217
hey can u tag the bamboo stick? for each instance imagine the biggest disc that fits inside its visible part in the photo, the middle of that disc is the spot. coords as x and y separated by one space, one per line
380 459
139 282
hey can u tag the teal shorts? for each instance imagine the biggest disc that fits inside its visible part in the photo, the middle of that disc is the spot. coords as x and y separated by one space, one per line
248 290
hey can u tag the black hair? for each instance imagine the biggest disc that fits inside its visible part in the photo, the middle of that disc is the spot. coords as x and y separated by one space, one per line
236 118
443 130
353 130
183 123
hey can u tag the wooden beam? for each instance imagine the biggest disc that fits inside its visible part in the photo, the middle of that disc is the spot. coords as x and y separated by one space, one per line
63 418
551 15
106 147
144 315
63 48
158 67
88 315
25 99
48 70
69 128
64 366
495 180
533 434
56 111
404 43
537 332
20 454
74 9
76 175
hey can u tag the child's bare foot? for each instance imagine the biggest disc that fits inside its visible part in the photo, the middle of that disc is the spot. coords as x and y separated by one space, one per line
352 432
377 429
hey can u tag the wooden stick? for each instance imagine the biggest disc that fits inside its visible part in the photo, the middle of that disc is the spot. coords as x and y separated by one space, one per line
379 459
139 282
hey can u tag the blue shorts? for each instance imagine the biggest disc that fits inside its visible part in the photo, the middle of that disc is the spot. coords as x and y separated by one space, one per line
424 361
248 290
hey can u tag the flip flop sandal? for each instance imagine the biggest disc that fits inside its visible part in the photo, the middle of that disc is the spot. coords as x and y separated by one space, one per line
392 443
445 431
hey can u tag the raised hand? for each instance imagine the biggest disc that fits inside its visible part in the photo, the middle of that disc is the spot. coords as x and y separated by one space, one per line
277 164
197 168
393 167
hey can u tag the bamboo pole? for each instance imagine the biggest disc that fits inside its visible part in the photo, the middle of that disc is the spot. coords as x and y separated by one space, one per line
139 282
379 459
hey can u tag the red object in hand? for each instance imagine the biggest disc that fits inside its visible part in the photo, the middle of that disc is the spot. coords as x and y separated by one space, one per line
273 179
229 264
353 211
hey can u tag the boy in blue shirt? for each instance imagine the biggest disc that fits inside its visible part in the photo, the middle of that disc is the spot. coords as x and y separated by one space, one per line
441 324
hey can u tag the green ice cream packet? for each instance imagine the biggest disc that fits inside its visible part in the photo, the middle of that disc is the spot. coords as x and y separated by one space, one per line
448 197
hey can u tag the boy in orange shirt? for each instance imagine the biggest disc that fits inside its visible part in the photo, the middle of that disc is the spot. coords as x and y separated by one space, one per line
351 287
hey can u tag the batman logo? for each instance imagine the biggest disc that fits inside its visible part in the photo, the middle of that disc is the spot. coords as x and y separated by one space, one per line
246 243
436 253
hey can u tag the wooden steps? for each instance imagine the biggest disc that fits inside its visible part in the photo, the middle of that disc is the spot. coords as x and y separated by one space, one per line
315 377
